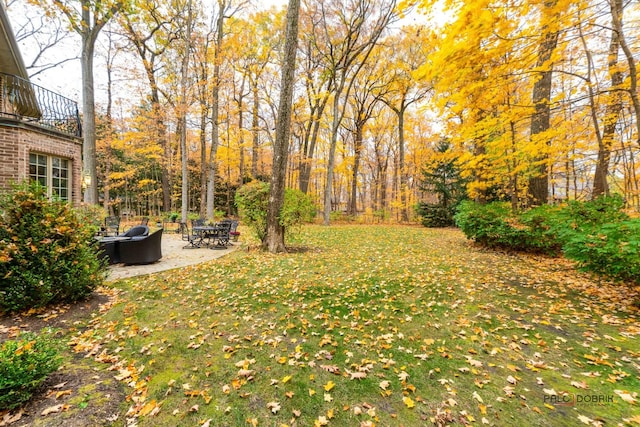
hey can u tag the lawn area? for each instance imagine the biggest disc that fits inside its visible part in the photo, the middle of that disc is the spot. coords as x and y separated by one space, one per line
373 325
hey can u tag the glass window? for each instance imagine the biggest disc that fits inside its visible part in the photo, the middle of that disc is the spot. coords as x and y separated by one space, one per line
52 172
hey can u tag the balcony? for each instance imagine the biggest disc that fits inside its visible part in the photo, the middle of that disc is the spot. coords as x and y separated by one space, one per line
26 102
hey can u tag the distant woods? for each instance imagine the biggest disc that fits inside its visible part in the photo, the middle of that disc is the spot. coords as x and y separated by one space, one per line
538 102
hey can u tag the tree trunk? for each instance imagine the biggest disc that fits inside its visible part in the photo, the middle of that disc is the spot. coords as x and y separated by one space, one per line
203 159
182 117
255 149
274 239
633 73
89 174
541 119
215 106
357 154
241 166
311 138
612 112
332 156
305 167
404 214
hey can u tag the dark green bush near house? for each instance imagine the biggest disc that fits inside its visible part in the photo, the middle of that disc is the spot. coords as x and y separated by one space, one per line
47 251
24 365
597 234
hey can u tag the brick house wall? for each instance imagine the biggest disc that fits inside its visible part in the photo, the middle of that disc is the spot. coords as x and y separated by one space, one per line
19 139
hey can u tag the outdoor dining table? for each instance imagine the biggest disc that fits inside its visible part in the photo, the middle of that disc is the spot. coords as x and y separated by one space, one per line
208 233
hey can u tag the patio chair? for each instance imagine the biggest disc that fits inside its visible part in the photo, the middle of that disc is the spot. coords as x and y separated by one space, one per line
222 234
192 239
136 230
141 249
111 226
234 233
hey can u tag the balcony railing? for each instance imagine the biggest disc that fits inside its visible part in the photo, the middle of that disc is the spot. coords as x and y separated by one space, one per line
25 101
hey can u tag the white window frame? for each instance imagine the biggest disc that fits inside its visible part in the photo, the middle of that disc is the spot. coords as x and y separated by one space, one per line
46 166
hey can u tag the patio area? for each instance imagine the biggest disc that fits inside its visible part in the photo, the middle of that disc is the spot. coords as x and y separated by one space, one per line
173 256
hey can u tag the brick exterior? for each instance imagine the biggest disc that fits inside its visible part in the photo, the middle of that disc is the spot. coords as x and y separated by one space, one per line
18 139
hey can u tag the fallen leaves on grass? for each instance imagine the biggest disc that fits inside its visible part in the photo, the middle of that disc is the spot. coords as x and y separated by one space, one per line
417 321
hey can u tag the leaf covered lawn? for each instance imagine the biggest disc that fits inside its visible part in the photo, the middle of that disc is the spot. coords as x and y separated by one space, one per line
373 325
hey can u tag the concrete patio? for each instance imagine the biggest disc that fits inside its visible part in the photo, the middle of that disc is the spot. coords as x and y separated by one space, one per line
173 256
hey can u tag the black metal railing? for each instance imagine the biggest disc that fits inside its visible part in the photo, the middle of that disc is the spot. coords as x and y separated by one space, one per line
25 101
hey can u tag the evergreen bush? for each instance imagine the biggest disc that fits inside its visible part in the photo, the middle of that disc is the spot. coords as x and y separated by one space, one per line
435 215
442 178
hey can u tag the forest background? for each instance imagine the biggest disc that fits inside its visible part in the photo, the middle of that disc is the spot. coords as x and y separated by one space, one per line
533 101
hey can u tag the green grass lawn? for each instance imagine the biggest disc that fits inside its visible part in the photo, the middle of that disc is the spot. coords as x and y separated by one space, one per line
374 325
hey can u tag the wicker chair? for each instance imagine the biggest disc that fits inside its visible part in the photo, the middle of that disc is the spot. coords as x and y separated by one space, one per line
141 249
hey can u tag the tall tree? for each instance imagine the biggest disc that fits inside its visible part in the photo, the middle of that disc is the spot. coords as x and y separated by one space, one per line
150 32
317 84
363 102
541 99
87 18
613 107
183 106
403 57
345 33
274 239
226 9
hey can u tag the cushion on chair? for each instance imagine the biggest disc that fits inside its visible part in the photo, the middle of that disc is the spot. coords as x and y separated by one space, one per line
136 230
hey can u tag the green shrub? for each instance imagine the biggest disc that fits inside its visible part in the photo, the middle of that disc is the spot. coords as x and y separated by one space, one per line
24 365
613 250
580 218
298 209
541 232
597 234
252 200
487 224
47 251
495 225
